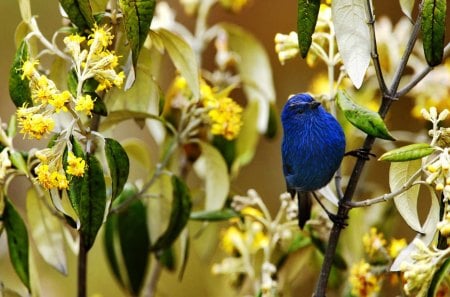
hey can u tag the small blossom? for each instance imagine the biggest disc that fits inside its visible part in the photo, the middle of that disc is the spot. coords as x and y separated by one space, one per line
75 165
59 101
364 282
286 46
50 179
35 125
373 242
85 104
29 69
396 246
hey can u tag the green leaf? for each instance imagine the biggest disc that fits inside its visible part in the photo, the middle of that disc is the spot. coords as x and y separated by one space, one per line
352 36
407 8
211 167
255 71
408 153
179 216
77 183
214 215
440 275
182 56
17 242
46 231
134 243
119 165
19 162
308 10
137 15
19 89
79 13
368 121
406 202
92 201
433 30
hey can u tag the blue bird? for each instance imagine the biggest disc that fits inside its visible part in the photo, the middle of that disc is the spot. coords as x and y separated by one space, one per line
312 149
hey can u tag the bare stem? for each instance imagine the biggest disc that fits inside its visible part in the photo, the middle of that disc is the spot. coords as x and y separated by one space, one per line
82 268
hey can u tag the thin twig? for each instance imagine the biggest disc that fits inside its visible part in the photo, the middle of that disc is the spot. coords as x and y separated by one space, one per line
416 79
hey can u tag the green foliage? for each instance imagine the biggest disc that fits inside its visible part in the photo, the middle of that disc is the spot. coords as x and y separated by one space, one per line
368 121
92 199
179 216
17 242
119 165
433 30
137 16
19 89
127 242
408 153
79 13
306 23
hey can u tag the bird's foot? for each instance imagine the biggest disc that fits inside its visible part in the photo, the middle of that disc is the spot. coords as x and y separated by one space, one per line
338 220
362 153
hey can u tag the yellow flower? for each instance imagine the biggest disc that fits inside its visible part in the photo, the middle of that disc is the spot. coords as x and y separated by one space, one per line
100 38
373 242
29 69
35 125
226 118
85 104
73 43
59 101
50 179
364 283
232 240
42 89
251 211
75 165
396 246
234 5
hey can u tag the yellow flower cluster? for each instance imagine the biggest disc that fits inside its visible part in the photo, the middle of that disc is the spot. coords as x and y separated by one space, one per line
34 124
224 113
363 281
98 61
373 242
50 172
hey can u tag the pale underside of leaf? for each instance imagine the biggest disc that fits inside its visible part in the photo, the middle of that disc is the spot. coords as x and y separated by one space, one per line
211 167
406 202
353 37
46 231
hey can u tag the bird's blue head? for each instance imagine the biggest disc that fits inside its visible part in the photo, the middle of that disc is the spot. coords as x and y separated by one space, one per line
299 105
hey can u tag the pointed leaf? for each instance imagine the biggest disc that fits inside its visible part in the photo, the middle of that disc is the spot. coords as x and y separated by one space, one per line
433 30
211 167
92 201
406 202
407 8
19 89
179 216
408 153
255 71
308 10
46 231
17 242
137 15
214 215
182 56
352 36
119 165
362 118
79 13
19 162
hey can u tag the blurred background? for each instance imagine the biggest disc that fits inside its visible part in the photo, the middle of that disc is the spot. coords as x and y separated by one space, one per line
263 18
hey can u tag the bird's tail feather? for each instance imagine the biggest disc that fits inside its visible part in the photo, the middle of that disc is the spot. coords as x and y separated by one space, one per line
304 208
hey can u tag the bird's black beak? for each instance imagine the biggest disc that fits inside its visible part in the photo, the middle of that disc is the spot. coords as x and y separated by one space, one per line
314 104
